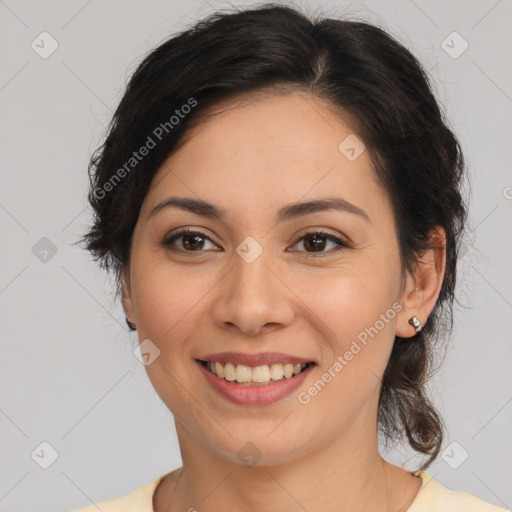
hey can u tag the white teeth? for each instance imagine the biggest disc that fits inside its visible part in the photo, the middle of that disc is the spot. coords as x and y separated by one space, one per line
243 373
276 372
288 370
219 370
259 375
229 372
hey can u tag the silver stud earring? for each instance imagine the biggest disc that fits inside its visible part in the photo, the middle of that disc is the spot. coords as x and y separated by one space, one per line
415 322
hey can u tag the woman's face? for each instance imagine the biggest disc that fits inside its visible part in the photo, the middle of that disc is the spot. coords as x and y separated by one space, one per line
252 284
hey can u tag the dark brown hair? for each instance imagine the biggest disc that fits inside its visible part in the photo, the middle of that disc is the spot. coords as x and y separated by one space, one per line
364 74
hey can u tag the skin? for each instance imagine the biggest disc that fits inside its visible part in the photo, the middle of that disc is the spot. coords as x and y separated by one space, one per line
255 155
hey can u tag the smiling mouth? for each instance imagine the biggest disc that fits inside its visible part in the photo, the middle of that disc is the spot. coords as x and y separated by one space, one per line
263 375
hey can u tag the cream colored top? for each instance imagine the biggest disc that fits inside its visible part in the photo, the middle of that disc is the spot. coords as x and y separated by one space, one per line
432 497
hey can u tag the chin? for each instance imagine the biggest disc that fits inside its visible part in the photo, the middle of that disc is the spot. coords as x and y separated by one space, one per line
255 447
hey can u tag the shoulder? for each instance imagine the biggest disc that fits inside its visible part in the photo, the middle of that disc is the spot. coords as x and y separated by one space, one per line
434 497
139 500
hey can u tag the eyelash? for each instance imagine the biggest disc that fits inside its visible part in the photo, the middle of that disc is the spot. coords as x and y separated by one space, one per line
167 242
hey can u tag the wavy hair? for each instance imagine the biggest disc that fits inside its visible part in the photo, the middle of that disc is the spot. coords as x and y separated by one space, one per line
363 73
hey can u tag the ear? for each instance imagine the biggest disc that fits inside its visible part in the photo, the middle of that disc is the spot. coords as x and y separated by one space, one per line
422 286
127 297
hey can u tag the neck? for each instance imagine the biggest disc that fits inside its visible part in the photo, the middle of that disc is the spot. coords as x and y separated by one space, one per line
335 477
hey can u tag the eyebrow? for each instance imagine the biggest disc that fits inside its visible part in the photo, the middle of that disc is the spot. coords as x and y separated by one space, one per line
288 212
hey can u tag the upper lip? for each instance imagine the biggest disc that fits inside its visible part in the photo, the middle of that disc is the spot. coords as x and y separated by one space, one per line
254 359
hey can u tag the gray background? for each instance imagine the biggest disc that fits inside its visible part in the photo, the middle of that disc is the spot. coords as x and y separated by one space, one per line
68 375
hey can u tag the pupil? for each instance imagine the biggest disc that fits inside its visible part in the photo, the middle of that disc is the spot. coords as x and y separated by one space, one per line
316 245
187 241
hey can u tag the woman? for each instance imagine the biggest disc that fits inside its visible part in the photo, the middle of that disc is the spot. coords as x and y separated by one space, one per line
279 200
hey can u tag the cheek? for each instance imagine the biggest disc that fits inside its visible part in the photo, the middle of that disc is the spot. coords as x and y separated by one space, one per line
168 301
351 302
357 312
169 307
362 330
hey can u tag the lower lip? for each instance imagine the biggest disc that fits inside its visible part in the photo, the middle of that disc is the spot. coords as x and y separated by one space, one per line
255 395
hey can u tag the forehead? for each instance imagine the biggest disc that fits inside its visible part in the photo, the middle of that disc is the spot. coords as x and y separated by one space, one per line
288 122
267 148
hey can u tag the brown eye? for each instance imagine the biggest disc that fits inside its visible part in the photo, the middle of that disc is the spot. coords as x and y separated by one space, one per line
191 241
316 242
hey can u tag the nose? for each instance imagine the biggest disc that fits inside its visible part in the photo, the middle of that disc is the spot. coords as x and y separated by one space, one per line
253 298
